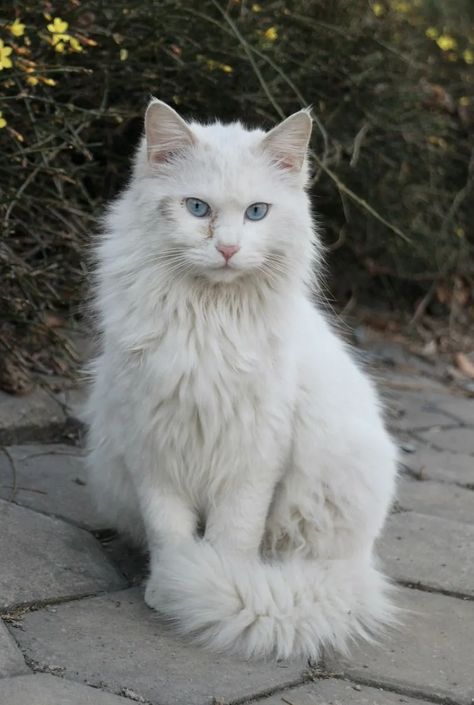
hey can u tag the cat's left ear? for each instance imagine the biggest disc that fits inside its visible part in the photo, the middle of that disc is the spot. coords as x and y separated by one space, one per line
166 132
287 143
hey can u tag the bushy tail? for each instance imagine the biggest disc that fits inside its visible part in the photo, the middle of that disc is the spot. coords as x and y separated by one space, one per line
281 610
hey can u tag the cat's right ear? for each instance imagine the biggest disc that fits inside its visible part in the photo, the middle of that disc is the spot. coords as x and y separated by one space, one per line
166 132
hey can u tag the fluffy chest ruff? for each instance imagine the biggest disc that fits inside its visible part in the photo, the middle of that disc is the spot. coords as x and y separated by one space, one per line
215 392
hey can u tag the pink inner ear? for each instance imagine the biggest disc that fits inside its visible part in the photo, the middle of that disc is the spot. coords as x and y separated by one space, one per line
286 163
160 156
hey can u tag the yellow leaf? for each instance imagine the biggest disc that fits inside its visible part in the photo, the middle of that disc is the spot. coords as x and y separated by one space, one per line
32 80
123 54
256 7
378 9
3 122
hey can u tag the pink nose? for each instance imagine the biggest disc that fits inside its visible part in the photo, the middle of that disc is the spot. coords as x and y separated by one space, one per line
228 251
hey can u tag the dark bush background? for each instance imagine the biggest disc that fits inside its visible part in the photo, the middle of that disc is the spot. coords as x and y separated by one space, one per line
391 85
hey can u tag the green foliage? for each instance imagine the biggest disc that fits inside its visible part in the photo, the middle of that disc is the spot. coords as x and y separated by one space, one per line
390 82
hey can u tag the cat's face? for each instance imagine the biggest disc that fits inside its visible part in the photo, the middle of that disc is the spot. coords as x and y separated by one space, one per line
228 202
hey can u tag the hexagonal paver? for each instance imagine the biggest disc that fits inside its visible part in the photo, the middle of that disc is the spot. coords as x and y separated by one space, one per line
51 479
445 466
117 642
437 553
329 691
458 407
437 498
456 440
44 689
11 658
45 559
37 415
408 411
430 653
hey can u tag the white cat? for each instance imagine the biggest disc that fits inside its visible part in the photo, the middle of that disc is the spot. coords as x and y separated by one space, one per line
230 428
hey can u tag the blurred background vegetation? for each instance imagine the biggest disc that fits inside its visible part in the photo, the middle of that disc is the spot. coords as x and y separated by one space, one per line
391 85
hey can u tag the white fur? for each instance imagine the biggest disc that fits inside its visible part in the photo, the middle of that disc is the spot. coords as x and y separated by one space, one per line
222 397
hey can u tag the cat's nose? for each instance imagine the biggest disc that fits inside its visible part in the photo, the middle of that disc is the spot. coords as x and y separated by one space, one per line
228 251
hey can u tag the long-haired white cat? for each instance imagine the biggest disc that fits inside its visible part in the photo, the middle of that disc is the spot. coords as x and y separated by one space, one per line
230 429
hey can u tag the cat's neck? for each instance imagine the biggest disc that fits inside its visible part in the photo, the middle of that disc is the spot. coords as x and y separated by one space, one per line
244 299
248 307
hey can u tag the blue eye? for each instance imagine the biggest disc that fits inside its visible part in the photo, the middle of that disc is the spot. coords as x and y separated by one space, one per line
197 207
256 211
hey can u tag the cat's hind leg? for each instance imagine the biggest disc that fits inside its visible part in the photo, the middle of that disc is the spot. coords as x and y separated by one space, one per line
335 494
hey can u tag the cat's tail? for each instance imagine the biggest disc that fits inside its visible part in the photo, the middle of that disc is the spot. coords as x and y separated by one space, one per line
281 610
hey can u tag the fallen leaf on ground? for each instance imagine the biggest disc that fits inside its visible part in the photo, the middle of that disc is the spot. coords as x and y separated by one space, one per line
464 364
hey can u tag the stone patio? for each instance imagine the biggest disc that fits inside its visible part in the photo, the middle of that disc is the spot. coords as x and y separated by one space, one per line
76 631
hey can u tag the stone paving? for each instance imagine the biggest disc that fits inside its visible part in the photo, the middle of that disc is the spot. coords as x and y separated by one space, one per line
75 629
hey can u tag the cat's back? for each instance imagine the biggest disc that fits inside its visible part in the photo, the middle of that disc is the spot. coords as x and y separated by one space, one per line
329 367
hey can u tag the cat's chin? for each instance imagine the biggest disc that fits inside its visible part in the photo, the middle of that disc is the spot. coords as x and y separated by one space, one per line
223 275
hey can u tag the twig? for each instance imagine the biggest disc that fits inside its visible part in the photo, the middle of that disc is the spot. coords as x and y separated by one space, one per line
252 61
360 201
358 143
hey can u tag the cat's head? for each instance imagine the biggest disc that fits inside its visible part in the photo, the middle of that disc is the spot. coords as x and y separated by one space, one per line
221 201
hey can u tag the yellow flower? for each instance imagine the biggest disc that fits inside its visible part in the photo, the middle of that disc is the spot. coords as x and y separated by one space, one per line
5 61
58 26
123 54
400 6
32 80
17 28
432 33
256 7
74 44
378 9
464 100
57 38
212 65
3 122
468 56
460 232
438 141
271 34
446 42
